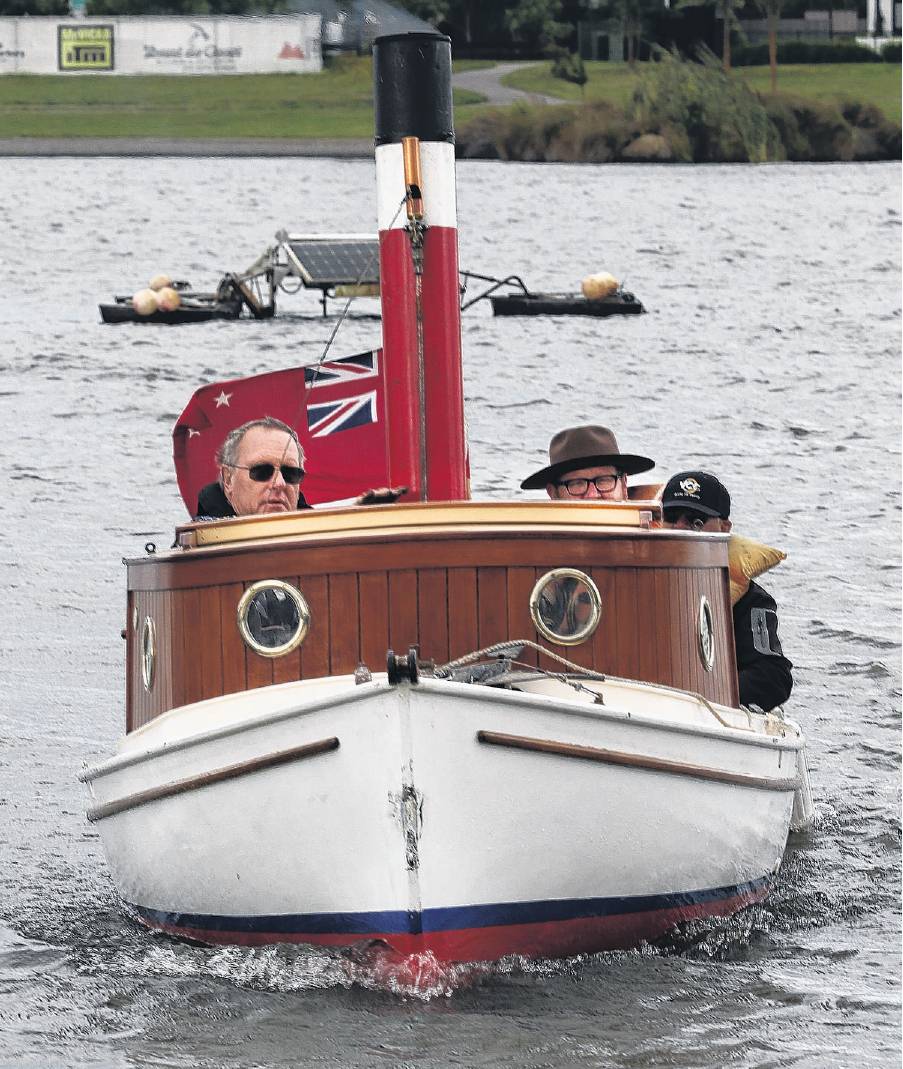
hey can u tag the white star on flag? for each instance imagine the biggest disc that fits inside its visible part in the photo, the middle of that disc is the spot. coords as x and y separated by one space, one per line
192 432
223 399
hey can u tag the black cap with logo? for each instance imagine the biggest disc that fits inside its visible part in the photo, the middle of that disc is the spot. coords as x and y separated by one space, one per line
697 490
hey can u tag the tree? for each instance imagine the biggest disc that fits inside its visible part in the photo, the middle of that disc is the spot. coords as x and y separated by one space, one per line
632 14
727 9
534 22
772 10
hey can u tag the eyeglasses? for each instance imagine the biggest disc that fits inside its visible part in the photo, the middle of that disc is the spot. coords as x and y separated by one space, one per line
578 487
262 473
693 520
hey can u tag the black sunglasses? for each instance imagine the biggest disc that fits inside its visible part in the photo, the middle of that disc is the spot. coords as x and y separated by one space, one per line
262 473
695 521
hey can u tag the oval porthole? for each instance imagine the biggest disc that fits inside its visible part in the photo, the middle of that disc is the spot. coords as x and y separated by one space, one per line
148 653
565 606
705 628
273 617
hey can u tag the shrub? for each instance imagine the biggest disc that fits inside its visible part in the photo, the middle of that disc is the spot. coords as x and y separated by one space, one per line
884 136
804 52
519 133
595 133
810 130
569 67
890 52
724 121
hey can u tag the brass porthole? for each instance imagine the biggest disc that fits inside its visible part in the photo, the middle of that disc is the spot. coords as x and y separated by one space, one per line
705 629
565 606
273 617
148 653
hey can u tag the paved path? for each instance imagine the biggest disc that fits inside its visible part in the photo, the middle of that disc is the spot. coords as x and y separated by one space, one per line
486 81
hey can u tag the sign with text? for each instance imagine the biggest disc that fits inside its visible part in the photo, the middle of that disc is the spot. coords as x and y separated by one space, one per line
85 48
220 44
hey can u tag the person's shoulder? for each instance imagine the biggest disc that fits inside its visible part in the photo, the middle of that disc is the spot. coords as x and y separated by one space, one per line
757 597
213 503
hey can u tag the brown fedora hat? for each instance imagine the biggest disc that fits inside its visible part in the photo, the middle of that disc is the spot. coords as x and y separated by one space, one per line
585 447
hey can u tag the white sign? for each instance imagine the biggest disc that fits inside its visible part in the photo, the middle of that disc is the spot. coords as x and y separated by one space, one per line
256 45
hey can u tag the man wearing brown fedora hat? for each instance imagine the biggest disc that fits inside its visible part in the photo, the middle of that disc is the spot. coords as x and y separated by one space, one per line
586 464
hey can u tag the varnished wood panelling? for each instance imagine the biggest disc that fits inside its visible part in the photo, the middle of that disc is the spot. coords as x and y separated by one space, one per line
403 610
661 583
492 606
491 549
648 627
520 624
462 611
374 595
432 613
315 649
344 624
233 648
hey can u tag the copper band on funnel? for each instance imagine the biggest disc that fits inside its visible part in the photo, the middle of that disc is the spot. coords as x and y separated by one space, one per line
413 178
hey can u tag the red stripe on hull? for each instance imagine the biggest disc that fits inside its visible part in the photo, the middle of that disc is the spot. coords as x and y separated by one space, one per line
552 939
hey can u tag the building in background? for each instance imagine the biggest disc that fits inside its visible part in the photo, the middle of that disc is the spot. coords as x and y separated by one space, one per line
352 26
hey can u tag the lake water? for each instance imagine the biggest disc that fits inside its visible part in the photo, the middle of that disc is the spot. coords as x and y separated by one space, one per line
770 354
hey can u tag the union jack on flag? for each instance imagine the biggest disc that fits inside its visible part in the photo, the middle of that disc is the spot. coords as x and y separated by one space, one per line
345 369
332 416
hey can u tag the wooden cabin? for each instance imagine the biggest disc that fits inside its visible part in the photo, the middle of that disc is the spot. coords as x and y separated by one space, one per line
447 578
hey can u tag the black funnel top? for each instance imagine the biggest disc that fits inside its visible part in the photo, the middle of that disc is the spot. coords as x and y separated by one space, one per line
412 87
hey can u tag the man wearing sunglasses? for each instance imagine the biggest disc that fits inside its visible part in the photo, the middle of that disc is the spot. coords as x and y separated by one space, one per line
585 464
261 468
698 501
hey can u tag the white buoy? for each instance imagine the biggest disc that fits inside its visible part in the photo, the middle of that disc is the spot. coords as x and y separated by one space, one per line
145 302
168 299
159 282
596 287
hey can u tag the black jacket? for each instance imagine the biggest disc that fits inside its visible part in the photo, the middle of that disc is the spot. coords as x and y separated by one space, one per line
764 671
214 505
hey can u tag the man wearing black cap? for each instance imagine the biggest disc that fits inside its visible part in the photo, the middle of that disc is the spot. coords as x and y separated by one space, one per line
585 464
697 501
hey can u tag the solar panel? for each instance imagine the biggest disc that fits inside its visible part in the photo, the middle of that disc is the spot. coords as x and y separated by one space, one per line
324 262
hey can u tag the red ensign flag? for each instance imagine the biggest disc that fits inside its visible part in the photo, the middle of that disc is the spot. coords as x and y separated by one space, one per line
336 407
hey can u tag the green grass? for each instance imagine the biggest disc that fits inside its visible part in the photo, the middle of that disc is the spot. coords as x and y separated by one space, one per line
870 83
338 103
605 81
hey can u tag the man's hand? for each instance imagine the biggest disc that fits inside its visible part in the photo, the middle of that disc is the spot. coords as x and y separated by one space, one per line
381 495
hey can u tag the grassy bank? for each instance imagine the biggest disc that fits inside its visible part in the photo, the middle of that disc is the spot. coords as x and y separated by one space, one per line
675 111
869 83
337 103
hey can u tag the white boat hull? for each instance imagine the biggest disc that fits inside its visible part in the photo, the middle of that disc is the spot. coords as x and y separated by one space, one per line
469 821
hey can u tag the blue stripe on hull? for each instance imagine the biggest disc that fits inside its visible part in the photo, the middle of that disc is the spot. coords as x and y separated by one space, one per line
450 918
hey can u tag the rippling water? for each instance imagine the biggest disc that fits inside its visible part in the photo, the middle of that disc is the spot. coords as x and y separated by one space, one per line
771 354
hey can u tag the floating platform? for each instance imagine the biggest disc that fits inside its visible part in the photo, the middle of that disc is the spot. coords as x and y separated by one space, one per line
193 309
565 304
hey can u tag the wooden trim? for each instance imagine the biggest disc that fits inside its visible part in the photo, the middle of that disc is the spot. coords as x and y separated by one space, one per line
584 549
206 779
649 764
417 515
